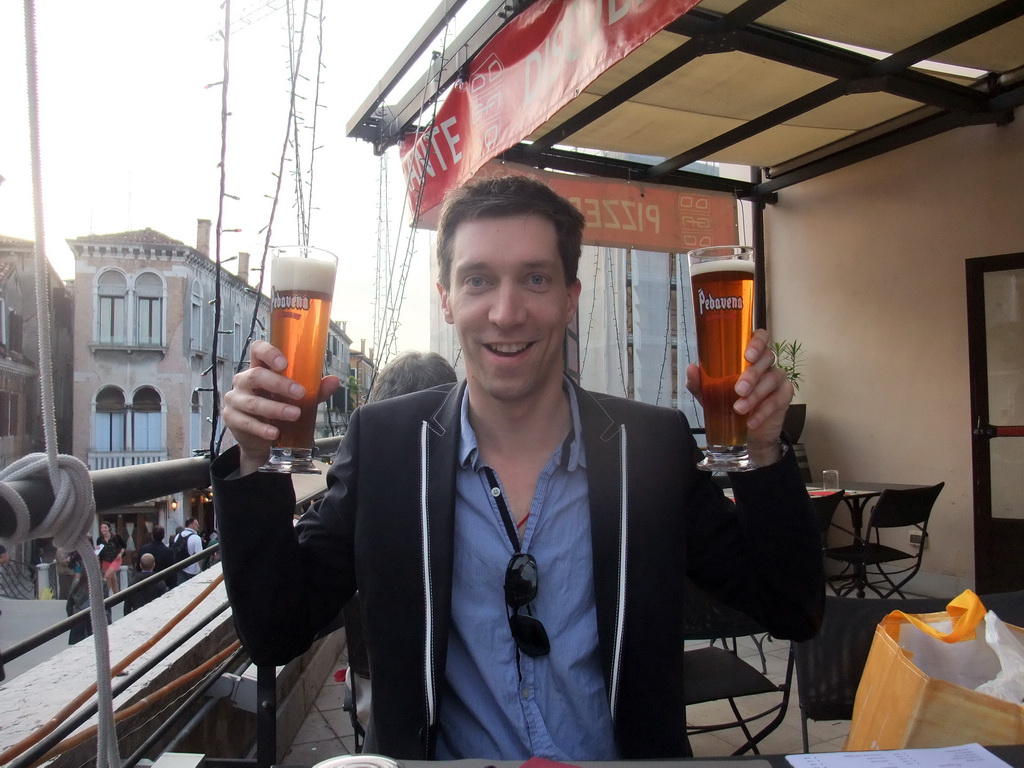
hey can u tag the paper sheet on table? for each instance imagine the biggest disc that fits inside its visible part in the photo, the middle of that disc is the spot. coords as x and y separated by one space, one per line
973 755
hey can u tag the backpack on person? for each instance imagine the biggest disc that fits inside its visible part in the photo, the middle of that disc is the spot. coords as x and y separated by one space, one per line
179 547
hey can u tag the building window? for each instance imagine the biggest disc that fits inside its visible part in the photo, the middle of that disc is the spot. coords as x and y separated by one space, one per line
196 318
10 403
112 297
196 442
236 333
149 296
15 332
147 421
110 421
120 427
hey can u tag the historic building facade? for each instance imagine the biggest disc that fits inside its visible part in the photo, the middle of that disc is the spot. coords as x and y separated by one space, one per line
156 338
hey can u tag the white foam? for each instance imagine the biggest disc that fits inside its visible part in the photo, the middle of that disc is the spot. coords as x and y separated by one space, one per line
722 265
297 274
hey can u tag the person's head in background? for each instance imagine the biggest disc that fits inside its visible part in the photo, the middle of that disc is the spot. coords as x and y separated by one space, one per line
147 562
410 372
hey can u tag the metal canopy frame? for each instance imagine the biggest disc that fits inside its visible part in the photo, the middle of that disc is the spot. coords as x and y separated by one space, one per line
945 105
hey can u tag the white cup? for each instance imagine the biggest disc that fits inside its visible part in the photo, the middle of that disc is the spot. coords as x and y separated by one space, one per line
830 480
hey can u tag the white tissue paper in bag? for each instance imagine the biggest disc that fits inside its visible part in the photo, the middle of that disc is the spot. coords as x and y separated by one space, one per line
1009 683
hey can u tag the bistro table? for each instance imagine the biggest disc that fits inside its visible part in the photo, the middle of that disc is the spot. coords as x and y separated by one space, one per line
856 497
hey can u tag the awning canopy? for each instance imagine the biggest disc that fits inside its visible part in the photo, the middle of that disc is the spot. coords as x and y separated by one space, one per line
796 88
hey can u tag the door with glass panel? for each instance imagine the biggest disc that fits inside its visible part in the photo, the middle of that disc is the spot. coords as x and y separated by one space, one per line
995 323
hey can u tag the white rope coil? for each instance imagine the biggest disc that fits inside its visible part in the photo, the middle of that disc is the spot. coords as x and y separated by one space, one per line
74 506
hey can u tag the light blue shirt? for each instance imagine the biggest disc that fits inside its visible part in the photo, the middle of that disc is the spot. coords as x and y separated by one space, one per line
558 709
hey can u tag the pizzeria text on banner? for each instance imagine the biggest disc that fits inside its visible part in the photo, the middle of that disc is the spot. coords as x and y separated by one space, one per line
533 67
623 214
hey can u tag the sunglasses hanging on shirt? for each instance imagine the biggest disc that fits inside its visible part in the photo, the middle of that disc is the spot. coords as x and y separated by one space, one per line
520 591
521 579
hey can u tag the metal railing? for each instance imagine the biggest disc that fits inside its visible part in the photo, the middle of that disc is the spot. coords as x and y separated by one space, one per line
17 580
121 683
112 459
116 487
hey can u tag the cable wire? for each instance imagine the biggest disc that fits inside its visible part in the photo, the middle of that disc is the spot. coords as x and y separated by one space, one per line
386 343
290 140
74 506
218 303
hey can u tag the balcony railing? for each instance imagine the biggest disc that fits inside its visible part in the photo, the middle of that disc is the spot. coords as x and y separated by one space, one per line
114 459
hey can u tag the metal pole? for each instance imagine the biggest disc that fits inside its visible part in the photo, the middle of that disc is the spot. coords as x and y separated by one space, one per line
123 485
42 579
266 716
757 240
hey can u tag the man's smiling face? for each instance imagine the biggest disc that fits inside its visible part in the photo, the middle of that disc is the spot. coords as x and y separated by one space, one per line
509 303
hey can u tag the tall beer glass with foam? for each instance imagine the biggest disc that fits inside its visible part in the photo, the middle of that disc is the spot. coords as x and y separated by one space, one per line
722 279
302 286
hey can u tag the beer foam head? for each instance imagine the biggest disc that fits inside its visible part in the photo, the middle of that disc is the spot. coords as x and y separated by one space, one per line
722 265
292 273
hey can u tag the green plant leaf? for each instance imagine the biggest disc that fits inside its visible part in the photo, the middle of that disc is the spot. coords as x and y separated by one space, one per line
789 356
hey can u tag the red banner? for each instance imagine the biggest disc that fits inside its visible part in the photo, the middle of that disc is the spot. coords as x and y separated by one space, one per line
623 214
533 67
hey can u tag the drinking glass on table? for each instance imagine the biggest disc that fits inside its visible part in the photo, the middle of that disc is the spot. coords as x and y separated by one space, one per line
830 480
722 280
302 287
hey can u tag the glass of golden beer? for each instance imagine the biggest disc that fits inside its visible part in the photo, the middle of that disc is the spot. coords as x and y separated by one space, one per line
301 289
722 280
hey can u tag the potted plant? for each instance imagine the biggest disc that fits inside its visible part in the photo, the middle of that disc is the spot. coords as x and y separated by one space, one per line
789 356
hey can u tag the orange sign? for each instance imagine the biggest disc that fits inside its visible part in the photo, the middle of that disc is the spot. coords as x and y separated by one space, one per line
622 214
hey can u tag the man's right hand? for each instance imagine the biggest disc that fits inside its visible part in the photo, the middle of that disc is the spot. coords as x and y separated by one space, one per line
249 406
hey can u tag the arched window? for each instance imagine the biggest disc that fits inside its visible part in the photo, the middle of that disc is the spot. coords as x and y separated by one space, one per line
196 318
147 420
110 420
112 290
149 297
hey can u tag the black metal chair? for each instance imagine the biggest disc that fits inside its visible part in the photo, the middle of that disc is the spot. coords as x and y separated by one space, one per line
717 672
910 508
825 509
829 666
358 672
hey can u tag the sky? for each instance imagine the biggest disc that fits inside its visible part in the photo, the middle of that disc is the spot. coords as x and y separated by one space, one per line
131 133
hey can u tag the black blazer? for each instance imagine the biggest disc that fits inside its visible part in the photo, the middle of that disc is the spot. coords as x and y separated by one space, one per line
386 526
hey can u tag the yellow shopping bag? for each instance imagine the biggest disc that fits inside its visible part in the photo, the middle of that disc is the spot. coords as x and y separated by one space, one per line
917 689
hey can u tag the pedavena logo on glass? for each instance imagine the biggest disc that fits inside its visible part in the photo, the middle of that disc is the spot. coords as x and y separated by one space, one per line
288 300
709 302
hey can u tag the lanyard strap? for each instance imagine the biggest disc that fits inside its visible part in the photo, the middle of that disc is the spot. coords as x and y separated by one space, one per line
506 516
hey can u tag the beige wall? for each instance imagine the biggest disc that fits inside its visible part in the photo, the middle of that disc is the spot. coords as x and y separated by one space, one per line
866 268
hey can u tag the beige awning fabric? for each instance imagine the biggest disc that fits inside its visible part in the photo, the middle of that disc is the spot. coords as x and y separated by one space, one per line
720 92
892 25
796 87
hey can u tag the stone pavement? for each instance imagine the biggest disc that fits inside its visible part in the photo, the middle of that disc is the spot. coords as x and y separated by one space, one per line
327 730
20 620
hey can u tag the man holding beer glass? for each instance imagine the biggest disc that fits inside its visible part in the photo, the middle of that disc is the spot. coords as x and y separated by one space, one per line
521 546
302 284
